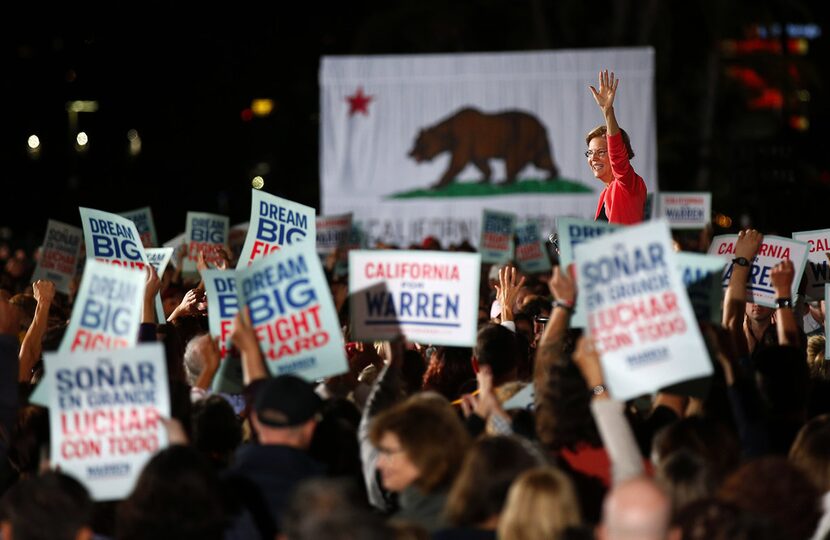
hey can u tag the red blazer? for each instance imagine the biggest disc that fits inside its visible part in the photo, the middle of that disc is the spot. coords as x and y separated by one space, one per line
625 197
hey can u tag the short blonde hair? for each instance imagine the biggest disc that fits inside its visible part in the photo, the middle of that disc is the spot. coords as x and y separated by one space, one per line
602 131
541 504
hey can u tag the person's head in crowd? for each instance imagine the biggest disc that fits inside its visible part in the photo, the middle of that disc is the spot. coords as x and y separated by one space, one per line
51 506
524 325
177 495
496 346
421 443
26 305
216 430
541 505
774 488
783 378
711 519
759 320
448 370
412 371
637 508
709 440
686 477
29 441
811 451
171 297
815 357
563 411
479 492
335 441
431 243
329 508
286 412
194 357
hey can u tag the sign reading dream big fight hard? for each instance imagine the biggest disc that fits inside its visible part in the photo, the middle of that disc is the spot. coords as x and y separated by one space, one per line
275 222
773 250
143 219
571 233
159 258
59 255
426 296
112 239
701 275
685 210
107 311
531 255
105 415
205 233
638 311
816 272
223 299
496 244
292 313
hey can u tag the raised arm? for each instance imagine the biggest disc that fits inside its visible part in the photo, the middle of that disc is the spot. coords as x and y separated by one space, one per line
605 100
151 289
785 323
734 300
245 340
30 349
563 289
510 283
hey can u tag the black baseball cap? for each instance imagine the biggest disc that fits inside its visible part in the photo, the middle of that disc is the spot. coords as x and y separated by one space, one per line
286 401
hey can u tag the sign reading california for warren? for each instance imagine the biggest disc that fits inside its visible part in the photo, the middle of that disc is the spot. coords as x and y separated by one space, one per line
427 296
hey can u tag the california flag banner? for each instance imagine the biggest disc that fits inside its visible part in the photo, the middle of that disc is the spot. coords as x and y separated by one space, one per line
418 146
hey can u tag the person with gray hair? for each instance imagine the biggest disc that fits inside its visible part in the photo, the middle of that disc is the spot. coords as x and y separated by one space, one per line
637 509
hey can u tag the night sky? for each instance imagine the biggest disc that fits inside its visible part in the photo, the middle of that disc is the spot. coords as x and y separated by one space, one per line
183 80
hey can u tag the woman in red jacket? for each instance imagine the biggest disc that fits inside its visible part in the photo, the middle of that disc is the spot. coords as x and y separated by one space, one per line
609 151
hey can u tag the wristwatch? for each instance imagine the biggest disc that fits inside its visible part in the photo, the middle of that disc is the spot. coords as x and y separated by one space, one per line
740 261
598 390
784 302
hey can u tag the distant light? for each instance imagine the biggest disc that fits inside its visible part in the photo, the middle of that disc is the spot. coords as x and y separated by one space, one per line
246 115
132 135
262 107
803 95
799 123
81 106
34 142
257 182
82 139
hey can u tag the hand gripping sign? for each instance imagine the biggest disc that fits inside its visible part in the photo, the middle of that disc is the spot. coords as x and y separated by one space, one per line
817 272
143 219
276 222
638 311
571 233
773 250
292 313
59 255
105 415
496 244
427 296
111 238
205 233
159 258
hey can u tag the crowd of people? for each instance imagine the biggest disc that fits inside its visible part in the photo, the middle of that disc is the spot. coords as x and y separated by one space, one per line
416 440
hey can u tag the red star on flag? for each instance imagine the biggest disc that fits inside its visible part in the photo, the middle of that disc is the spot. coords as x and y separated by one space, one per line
359 102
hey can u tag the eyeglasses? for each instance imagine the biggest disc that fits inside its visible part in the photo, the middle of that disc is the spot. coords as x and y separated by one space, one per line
388 452
599 153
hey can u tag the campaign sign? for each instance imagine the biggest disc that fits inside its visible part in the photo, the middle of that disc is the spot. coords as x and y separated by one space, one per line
638 311
531 255
112 239
179 247
816 271
333 232
107 311
105 415
496 244
143 219
572 232
826 321
223 302
701 275
292 313
59 255
159 258
426 296
204 234
773 250
685 210
275 222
